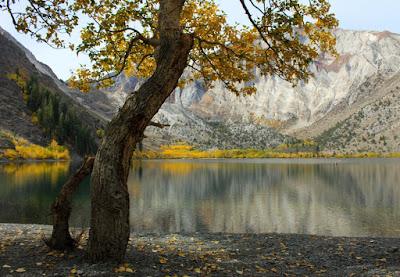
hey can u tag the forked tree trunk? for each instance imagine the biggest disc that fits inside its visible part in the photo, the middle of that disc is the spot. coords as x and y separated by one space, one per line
61 208
109 226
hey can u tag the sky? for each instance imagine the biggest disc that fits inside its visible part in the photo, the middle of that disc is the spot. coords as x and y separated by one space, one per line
382 15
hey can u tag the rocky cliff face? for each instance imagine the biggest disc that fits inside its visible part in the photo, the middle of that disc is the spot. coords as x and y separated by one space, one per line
340 88
365 59
343 87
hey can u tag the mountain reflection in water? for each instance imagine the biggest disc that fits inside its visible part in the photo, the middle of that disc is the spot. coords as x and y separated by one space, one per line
325 197
352 197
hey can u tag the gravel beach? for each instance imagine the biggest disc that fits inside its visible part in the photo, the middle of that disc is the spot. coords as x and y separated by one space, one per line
23 253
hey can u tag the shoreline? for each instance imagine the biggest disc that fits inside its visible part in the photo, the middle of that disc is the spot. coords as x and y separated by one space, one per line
35 161
355 157
204 254
3 160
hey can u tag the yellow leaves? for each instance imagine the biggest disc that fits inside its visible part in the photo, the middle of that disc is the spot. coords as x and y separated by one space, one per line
124 268
56 253
230 53
74 272
293 35
37 152
81 80
163 260
35 119
26 150
261 269
197 270
305 149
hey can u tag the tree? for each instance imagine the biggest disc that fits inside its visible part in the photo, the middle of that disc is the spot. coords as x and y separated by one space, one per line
157 40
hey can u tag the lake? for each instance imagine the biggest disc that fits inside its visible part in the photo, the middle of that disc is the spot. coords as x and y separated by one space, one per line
349 197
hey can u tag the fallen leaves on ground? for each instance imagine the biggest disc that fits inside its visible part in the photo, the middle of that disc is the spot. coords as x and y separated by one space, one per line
163 260
209 254
124 268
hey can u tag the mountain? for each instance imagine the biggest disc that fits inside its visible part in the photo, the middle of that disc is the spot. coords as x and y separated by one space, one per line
374 124
364 58
35 105
364 72
349 105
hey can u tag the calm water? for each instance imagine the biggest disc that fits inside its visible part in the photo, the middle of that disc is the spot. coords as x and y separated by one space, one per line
327 197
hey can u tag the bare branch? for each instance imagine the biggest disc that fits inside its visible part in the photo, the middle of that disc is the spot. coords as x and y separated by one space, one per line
158 125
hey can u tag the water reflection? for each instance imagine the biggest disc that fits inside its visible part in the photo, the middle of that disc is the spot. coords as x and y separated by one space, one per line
347 197
20 174
28 189
352 198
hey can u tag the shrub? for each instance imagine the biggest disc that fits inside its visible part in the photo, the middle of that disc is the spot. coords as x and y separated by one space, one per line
28 151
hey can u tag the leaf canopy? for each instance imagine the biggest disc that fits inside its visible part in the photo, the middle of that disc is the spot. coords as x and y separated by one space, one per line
282 38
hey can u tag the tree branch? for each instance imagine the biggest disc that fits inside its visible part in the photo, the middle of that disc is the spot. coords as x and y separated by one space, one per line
150 41
158 125
61 208
246 9
124 60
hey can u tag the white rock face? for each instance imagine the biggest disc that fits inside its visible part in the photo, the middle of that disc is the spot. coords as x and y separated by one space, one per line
366 59
362 55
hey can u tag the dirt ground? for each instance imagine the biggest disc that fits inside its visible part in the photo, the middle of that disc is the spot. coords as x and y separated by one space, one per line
23 253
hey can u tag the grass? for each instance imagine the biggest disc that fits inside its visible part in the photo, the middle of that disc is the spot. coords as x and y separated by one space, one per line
184 151
24 150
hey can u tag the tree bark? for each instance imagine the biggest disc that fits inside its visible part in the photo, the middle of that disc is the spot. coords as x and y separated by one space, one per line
109 227
61 209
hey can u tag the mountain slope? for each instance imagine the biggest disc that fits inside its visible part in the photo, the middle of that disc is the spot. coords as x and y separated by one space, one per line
326 108
366 59
34 105
340 88
375 126
14 114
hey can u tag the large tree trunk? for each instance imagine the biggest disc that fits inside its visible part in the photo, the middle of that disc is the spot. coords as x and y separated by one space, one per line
61 209
109 226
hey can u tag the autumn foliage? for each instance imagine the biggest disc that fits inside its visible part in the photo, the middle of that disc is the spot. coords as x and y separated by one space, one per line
282 38
184 151
24 150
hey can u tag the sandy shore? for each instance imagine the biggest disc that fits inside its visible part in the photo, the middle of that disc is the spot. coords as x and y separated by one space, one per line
23 253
